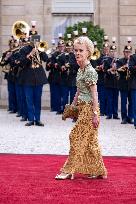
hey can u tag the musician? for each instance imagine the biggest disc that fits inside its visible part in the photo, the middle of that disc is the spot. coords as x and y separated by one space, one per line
50 67
132 84
100 83
126 102
69 68
53 66
7 59
33 78
111 85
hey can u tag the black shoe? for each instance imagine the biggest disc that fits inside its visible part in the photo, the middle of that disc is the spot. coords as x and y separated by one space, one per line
39 123
29 123
59 112
130 121
108 117
18 115
23 119
11 112
116 117
124 121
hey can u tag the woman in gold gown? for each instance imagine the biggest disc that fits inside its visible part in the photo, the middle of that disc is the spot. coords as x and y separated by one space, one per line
85 154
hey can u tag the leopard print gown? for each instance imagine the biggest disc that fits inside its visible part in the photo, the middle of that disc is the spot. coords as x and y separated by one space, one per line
85 154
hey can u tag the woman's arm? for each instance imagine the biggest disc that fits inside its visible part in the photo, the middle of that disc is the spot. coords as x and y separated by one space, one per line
94 93
94 96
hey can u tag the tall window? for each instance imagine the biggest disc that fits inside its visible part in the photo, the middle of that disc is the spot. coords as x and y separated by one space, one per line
69 12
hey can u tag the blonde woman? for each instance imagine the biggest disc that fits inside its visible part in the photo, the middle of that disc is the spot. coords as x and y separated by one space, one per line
85 155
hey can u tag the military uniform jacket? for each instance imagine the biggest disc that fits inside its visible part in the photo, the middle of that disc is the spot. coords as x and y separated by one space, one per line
68 76
132 69
11 76
54 71
32 76
122 81
110 80
100 73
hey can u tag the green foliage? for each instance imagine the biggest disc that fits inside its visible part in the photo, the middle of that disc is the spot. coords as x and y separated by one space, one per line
94 32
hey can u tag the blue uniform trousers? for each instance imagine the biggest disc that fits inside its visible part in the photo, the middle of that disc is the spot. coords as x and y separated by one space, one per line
24 113
112 102
53 99
126 111
133 96
12 102
57 97
102 98
68 94
33 99
18 89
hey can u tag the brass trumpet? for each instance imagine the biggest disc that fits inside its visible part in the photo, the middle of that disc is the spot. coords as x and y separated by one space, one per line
96 54
43 46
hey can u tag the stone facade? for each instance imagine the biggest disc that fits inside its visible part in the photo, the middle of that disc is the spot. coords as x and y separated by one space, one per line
117 17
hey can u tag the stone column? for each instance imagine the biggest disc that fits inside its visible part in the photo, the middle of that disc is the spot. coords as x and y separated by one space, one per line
127 22
108 15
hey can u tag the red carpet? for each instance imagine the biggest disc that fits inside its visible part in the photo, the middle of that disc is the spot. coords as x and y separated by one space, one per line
29 179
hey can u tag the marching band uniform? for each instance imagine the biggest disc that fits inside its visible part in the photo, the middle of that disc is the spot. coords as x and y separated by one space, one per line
33 79
54 80
126 113
100 71
69 68
100 84
132 84
8 60
55 77
110 82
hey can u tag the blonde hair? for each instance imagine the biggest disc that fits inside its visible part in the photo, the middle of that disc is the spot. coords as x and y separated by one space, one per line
89 44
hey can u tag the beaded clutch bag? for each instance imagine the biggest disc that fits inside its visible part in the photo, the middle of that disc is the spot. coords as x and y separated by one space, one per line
70 111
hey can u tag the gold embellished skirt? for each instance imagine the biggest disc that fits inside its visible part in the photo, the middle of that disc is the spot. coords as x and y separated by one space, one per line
85 154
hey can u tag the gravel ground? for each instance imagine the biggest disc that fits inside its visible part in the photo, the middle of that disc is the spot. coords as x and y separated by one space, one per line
53 138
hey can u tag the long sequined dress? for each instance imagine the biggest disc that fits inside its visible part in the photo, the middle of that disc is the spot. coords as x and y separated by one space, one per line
85 154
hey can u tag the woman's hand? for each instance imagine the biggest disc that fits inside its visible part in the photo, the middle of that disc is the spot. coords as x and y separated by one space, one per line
95 121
